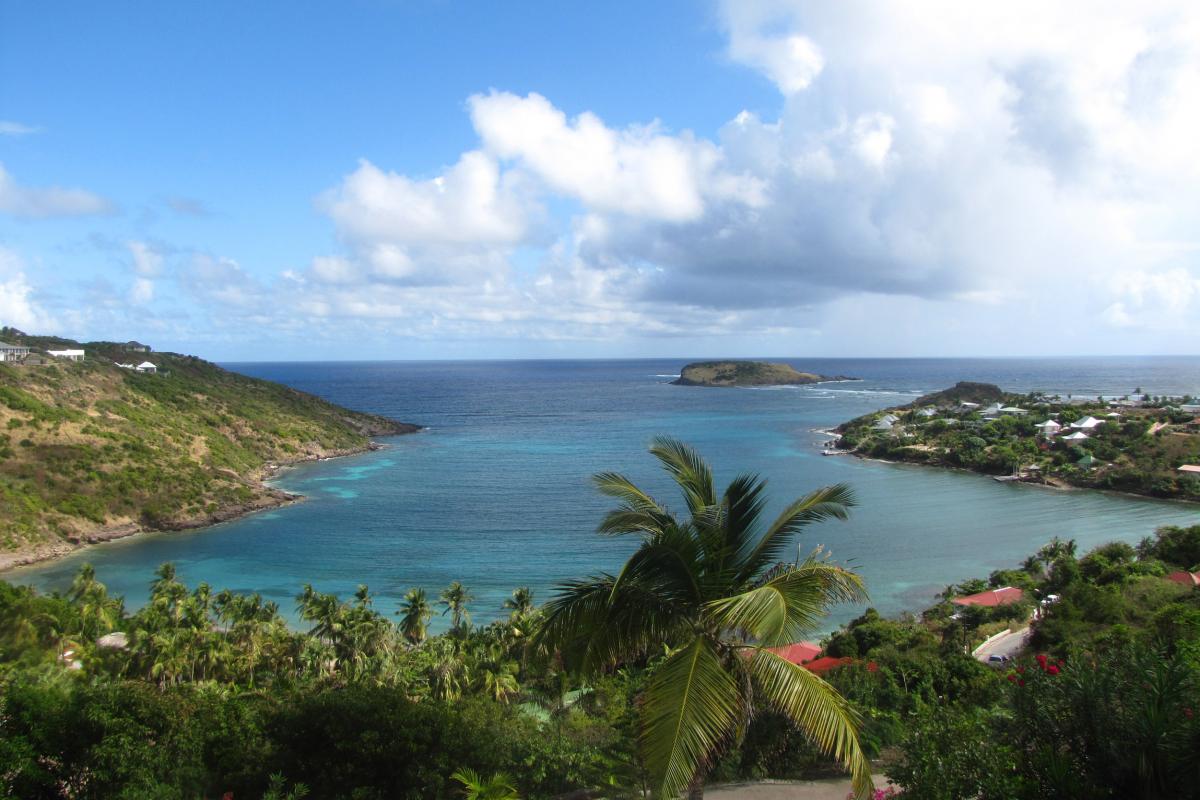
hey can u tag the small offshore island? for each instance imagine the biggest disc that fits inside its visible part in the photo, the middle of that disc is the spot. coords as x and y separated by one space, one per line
748 373
102 440
1141 444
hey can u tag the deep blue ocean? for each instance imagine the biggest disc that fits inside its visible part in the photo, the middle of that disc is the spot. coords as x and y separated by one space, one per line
496 491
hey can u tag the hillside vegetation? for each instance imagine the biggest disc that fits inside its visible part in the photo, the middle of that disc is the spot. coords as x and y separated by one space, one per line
91 451
1133 446
747 373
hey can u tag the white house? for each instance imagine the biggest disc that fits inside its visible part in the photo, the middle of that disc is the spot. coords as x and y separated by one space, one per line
965 406
1014 410
1049 428
1078 437
69 355
12 352
1087 424
146 367
126 366
886 422
927 412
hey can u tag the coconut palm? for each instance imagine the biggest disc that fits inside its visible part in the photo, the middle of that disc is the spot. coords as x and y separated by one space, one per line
455 598
712 589
521 602
414 616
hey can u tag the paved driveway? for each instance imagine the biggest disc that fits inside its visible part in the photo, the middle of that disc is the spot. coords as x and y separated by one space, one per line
1010 645
836 789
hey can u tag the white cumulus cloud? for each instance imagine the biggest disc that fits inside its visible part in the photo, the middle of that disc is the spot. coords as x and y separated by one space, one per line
18 305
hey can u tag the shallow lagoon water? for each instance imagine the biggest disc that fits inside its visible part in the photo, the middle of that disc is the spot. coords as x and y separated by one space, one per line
496 492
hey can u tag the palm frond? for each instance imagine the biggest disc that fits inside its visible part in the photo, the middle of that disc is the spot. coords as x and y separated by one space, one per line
627 520
688 469
789 605
817 708
689 708
614 484
825 503
593 626
638 513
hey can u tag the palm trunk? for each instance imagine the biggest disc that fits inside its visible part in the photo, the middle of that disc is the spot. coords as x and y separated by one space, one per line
696 787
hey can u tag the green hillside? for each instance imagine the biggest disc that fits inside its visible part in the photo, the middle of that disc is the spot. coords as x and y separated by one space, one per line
91 451
1129 445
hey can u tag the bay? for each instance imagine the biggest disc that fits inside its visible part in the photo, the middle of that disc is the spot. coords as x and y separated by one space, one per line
496 491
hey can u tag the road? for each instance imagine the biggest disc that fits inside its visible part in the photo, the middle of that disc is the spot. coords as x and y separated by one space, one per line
788 790
1010 644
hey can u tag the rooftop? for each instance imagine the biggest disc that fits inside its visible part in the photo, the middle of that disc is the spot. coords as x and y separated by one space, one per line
991 598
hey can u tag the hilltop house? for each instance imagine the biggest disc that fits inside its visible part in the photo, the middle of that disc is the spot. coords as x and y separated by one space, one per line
69 355
927 412
1188 579
12 352
1087 423
1049 428
1003 596
136 347
886 422
798 653
146 367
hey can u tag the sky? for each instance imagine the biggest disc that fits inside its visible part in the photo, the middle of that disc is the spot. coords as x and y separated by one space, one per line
410 179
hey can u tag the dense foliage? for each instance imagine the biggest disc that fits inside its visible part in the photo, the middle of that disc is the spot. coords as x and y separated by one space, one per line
1139 451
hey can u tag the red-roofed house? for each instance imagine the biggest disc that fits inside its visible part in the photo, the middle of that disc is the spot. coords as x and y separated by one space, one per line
991 598
823 665
1185 578
797 653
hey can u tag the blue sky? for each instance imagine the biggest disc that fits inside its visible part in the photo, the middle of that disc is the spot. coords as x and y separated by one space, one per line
436 179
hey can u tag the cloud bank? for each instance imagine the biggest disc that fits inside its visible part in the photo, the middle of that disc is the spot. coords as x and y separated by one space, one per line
937 172
989 156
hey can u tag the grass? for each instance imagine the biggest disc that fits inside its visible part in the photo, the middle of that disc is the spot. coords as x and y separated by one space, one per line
86 445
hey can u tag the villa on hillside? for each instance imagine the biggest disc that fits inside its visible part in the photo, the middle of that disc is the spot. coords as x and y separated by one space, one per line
1003 596
1049 428
69 355
798 653
146 367
1087 424
13 352
136 347
1078 437
1189 579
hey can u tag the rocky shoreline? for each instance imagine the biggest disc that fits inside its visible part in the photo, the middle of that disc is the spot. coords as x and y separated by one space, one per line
269 498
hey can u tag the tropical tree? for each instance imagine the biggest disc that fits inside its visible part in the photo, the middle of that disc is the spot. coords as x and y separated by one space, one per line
414 616
455 598
711 588
521 602
476 787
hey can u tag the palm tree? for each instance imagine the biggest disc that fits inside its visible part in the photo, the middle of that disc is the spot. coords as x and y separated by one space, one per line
712 590
521 602
455 598
475 787
415 614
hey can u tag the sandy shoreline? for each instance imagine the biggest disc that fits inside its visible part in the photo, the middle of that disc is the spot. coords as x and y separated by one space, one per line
273 497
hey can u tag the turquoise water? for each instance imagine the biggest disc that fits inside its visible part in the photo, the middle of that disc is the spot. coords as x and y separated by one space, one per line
496 492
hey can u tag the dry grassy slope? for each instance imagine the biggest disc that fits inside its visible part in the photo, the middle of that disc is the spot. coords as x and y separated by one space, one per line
88 450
